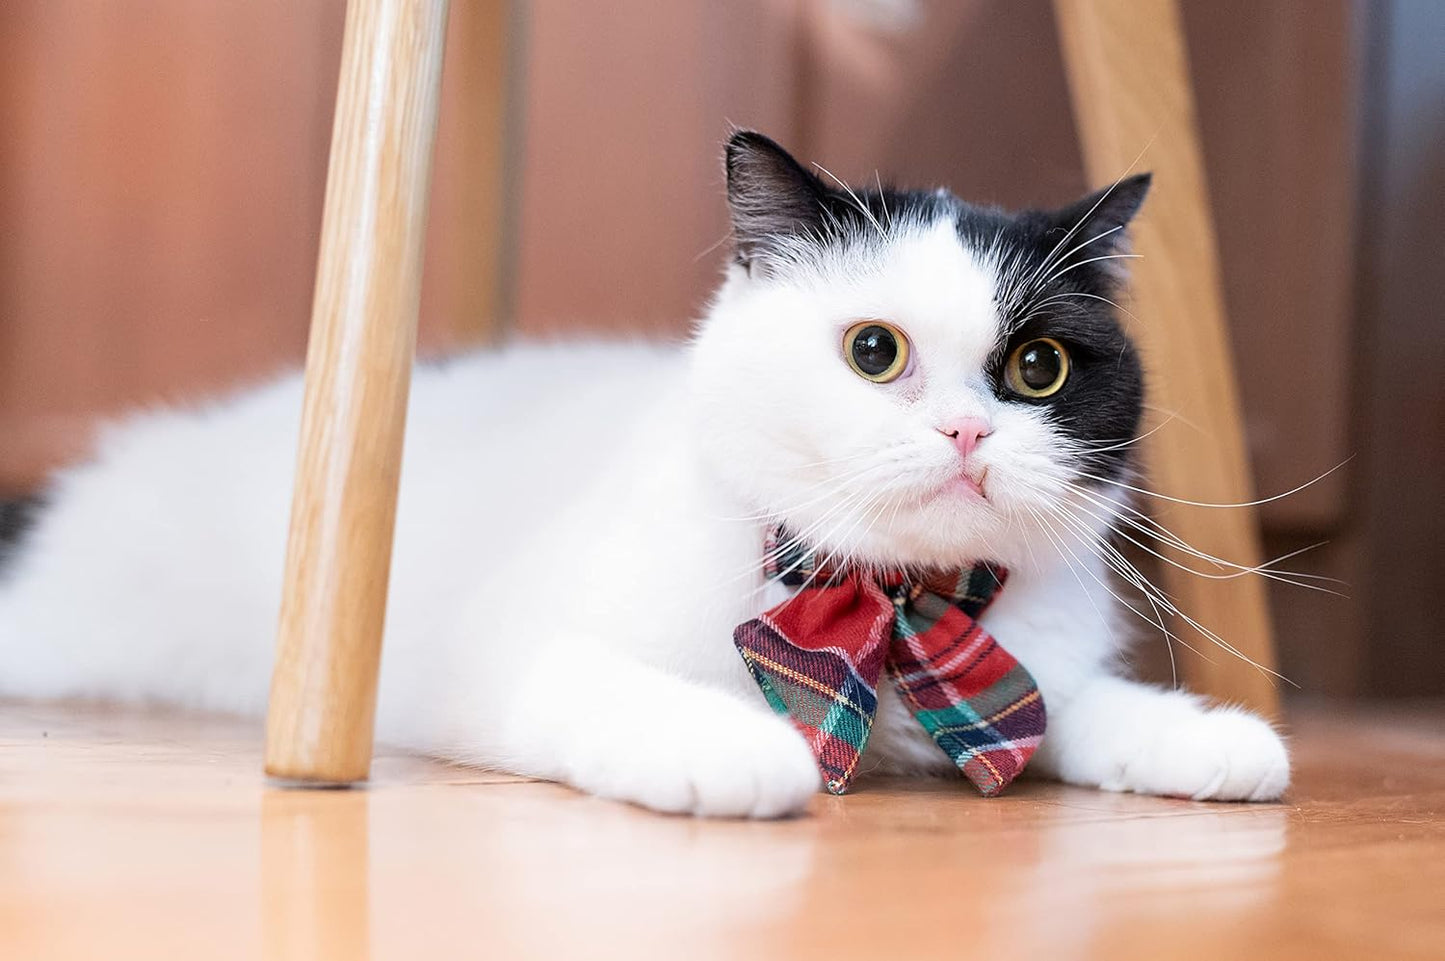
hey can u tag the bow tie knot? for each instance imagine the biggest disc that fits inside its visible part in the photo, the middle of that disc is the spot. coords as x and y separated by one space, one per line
818 658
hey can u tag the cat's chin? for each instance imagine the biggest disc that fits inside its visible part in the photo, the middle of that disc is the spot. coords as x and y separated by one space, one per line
922 542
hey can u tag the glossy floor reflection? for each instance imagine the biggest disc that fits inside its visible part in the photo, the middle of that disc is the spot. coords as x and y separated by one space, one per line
129 835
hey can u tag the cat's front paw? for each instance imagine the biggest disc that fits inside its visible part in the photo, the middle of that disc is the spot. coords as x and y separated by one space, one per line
1217 755
730 760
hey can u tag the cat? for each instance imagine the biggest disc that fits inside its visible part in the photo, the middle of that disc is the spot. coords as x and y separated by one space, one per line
903 378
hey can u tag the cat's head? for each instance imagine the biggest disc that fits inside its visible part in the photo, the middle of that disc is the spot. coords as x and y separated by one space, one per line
909 379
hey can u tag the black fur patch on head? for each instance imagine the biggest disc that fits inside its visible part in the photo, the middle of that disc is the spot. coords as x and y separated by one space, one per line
1059 275
1060 279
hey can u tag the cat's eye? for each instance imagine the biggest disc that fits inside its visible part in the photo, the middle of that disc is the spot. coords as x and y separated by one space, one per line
876 351
1037 369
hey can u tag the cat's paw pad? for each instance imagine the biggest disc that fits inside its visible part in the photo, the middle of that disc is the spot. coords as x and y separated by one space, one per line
733 762
1219 755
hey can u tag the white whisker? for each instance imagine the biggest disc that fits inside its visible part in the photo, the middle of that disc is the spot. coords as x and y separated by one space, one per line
862 208
1191 503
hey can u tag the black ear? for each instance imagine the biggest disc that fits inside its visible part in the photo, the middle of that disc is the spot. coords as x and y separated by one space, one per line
770 195
1107 209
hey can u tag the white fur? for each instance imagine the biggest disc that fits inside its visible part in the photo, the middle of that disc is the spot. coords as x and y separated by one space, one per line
580 531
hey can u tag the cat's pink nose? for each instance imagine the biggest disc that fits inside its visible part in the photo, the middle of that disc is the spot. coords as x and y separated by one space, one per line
966 432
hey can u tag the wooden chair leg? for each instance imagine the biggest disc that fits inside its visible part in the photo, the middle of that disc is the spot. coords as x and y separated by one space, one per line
1129 82
358 371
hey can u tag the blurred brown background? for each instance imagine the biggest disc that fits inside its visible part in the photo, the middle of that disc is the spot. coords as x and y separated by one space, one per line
162 166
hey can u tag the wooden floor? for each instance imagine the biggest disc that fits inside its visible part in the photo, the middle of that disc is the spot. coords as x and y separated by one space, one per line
144 836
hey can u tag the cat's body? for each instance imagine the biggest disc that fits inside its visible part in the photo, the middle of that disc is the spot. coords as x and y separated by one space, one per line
581 529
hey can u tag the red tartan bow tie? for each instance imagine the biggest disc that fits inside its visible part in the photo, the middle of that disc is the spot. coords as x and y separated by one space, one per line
818 657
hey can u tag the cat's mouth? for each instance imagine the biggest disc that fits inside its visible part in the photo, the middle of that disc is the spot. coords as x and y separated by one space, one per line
967 483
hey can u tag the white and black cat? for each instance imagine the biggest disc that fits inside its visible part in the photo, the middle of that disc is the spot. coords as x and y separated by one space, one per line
902 378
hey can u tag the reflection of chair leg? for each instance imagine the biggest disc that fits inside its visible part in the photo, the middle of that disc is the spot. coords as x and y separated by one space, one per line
1129 81
358 370
315 875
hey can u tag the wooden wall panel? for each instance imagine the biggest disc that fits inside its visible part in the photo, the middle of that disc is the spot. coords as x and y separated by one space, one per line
967 94
622 216
465 290
1400 423
1277 88
160 163
1278 92
161 177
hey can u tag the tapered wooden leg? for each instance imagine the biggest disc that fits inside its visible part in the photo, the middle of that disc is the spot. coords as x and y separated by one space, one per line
358 370
1129 81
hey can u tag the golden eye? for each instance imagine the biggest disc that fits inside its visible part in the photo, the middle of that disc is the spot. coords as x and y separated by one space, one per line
876 351
1037 369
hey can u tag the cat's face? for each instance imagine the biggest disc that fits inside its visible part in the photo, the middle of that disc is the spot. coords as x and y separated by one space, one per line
905 379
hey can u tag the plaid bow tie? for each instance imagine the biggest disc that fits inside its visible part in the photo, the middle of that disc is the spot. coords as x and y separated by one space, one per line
819 655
